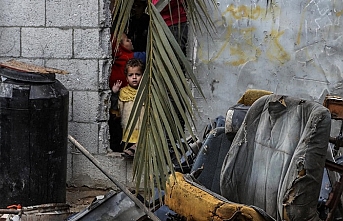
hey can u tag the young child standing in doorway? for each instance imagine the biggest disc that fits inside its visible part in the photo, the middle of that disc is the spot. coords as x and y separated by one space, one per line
121 55
122 99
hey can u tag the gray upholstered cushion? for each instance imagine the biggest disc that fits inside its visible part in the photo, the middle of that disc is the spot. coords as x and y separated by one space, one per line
277 157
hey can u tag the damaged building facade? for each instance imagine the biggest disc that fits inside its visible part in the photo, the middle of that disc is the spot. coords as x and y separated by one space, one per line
291 48
287 47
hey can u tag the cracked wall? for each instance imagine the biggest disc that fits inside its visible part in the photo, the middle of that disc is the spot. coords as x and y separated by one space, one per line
288 47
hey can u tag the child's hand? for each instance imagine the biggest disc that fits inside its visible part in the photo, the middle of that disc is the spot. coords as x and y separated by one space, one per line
116 86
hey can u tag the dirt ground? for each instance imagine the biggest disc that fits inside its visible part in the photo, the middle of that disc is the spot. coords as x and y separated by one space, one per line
80 198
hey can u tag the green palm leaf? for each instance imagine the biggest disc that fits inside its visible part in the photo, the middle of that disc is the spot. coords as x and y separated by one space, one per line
120 14
163 93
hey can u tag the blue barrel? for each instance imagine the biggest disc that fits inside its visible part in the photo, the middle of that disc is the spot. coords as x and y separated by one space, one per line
33 138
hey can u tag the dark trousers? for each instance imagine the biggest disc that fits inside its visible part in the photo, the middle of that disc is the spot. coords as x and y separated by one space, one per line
116 133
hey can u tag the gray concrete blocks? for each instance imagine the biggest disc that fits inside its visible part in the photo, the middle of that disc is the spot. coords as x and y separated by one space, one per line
83 74
76 13
105 19
23 13
104 138
105 44
105 105
86 134
85 106
46 43
86 43
70 114
104 74
10 42
85 173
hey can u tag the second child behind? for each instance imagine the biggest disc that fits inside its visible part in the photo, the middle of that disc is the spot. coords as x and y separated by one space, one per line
139 25
120 56
122 99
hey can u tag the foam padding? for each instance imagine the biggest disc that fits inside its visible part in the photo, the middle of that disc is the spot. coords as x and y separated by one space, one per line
195 203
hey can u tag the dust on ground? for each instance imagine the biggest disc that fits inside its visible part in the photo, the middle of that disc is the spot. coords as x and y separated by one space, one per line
80 198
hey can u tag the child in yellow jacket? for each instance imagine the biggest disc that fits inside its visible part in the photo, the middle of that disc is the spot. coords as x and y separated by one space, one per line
123 99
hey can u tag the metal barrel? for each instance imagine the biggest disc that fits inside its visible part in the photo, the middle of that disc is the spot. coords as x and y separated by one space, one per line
33 138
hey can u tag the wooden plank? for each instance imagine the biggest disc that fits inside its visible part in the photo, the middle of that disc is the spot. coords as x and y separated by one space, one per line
31 68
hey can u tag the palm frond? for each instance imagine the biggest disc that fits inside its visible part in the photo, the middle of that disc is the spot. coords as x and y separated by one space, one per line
120 16
162 81
198 14
164 94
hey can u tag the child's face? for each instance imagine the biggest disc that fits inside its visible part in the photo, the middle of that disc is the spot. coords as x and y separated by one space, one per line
126 42
134 76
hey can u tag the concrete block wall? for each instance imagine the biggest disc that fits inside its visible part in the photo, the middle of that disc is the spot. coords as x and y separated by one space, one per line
72 36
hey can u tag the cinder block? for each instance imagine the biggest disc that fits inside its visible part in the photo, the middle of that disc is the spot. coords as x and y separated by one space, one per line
9 41
105 14
70 114
105 42
86 134
85 106
83 74
86 43
66 13
104 106
104 138
46 43
22 13
85 173
104 73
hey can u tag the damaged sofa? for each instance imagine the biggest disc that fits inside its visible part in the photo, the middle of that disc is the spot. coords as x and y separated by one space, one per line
272 171
277 158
